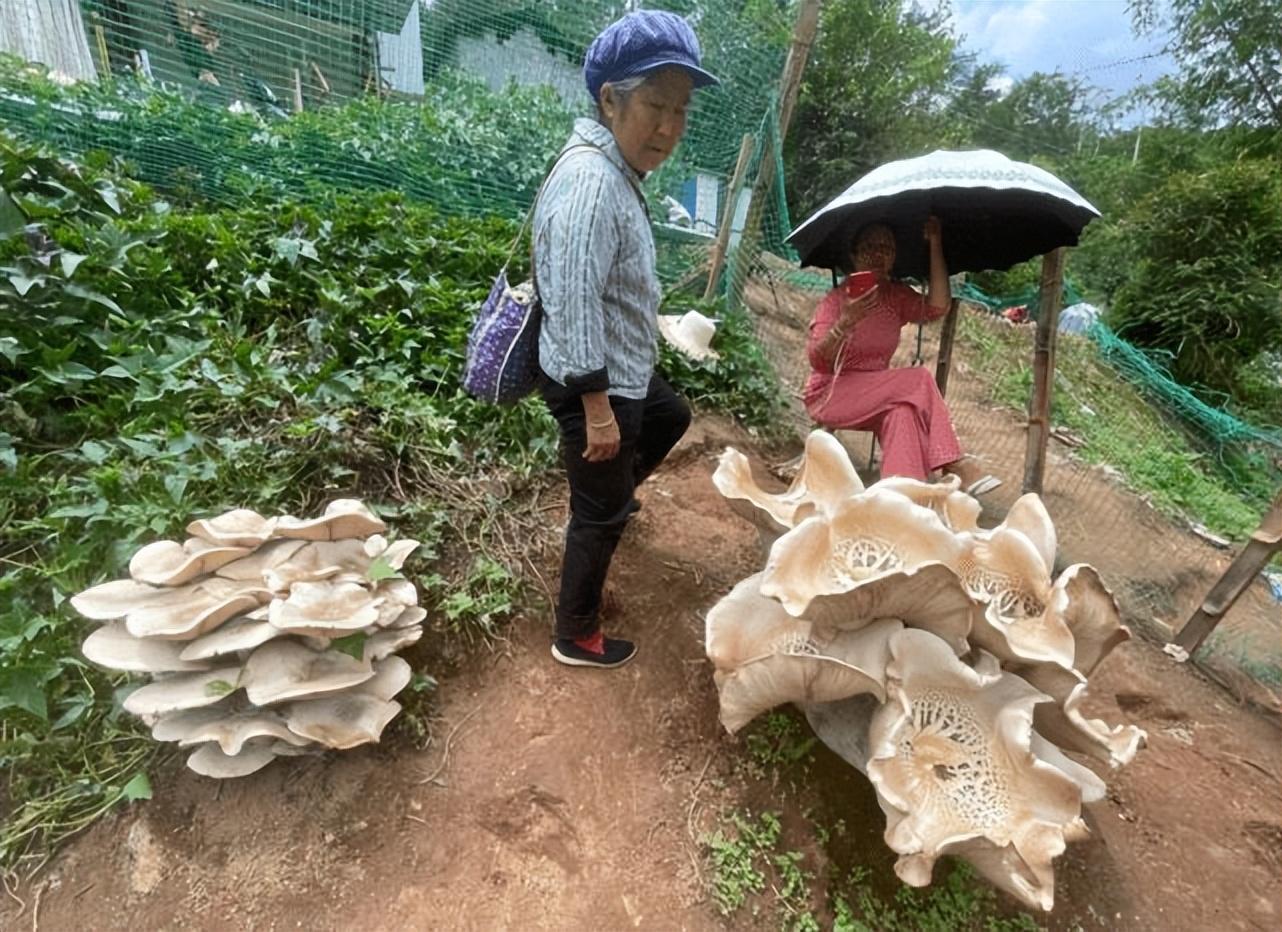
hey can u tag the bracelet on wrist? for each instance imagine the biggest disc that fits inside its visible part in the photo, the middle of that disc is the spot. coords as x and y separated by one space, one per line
601 425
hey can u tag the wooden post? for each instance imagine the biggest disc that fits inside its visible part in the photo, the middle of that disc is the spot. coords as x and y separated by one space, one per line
803 37
100 36
298 91
1266 541
727 216
1039 405
943 363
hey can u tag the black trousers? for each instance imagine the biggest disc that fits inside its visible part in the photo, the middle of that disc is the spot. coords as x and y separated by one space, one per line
601 493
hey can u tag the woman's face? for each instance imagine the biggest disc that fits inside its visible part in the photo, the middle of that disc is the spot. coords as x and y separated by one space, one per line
649 122
874 251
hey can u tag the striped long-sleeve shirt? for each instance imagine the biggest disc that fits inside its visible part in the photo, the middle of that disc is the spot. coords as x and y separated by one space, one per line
595 263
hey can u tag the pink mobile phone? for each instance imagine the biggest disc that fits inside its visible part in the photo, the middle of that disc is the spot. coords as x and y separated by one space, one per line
858 283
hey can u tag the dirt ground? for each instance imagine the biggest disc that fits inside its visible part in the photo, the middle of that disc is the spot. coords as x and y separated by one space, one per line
557 798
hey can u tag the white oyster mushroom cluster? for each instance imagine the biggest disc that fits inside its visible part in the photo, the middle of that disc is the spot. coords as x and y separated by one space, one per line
263 636
942 660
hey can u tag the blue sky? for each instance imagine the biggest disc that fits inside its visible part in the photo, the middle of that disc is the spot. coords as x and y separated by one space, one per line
1091 39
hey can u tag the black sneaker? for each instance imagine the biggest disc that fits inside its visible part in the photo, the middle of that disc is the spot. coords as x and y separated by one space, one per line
617 652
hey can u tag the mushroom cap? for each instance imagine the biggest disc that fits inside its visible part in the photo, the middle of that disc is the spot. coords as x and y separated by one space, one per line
325 609
1092 616
870 535
391 675
826 479
343 721
239 527
958 511
283 670
765 657
389 641
343 518
113 647
413 615
169 563
319 559
204 610
929 596
208 760
173 726
231 731
254 567
952 758
183 691
1029 517
400 591
243 633
118 598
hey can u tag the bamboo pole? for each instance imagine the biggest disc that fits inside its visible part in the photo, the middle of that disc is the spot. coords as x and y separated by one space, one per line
1266 541
298 91
803 38
1039 405
100 36
944 361
727 216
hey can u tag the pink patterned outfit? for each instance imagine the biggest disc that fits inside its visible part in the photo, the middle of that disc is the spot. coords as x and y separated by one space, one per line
902 407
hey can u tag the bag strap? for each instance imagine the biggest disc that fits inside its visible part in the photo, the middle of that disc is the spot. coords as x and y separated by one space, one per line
529 214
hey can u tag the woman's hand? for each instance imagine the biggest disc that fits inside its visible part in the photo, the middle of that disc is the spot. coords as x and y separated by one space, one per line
603 442
601 427
853 310
933 232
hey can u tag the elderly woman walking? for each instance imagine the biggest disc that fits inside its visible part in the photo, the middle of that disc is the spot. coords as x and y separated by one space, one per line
594 264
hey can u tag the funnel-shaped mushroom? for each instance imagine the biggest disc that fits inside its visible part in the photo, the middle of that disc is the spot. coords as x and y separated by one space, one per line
387 642
867 536
1092 616
283 670
1024 615
169 563
343 518
118 598
1065 722
826 478
113 647
951 756
343 721
765 657
239 527
958 511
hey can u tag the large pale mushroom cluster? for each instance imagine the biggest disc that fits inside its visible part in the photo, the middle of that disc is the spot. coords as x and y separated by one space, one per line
944 661
263 636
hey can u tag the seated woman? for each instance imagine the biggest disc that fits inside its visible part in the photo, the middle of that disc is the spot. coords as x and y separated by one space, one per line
851 386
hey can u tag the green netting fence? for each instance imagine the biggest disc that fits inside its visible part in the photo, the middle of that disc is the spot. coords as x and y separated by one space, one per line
457 103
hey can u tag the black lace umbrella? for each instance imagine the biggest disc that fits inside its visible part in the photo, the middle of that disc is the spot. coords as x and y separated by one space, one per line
995 212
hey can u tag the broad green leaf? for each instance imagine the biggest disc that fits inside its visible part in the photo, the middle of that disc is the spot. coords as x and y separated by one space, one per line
70 262
219 688
137 788
24 689
353 645
93 509
95 452
379 569
91 295
24 283
176 485
12 219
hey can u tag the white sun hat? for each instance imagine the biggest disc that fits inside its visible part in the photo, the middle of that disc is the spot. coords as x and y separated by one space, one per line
690 333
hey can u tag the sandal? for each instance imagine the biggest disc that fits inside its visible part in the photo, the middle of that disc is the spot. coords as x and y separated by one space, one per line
982 486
